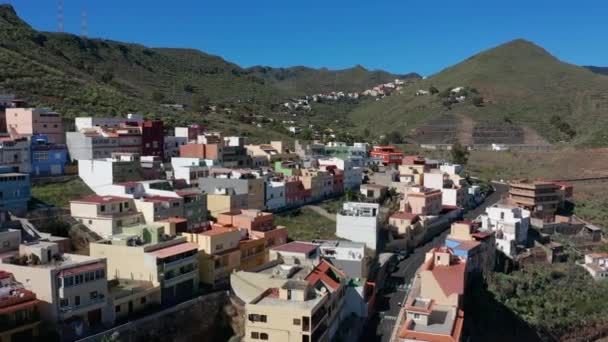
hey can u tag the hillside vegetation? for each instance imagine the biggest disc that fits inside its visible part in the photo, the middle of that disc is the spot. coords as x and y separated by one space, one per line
517 83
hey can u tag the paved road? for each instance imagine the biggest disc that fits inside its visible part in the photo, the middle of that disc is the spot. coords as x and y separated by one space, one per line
380 326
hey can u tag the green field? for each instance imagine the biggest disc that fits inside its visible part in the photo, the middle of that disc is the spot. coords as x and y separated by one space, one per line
305 225
60 194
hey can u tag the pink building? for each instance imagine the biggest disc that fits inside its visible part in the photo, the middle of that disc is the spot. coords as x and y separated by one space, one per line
423 201
257 224
31 121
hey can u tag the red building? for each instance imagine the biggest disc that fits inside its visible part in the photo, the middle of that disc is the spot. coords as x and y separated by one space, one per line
18 310
388 154
338 181
295 193
152 138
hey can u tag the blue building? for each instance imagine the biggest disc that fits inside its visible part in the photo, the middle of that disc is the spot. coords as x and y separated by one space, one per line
14 190
48 159
476 247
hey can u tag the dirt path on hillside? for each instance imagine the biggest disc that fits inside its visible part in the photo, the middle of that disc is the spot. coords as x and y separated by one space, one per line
321 212
465 129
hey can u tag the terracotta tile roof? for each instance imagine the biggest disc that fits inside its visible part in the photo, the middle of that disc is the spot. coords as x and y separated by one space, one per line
4 274
100 199
321 273
80 269
174 250
159 199
482 235
450 278
217 230
296 247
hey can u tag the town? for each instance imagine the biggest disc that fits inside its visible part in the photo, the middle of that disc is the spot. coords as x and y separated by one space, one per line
178 218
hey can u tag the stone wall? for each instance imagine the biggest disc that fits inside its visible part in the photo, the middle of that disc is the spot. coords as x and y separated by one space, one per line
205 318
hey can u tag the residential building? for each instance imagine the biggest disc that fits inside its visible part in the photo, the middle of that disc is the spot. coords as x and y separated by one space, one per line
72 289
357 154
15 190
218 253
221 200
48 159
172 146
347 256
403 223
275 151
352 175
290 302
158 208
15 152
388 154
152 167
423 201
510 225
412 170
433 307
287 168
195 208
190 132
597 265
152 138
255 224
358 222
85 123
32 121
106 215
296 253
319 182
191 170
235 153
120 168
148 254
18 310
478 248
245 181
295 192
541 198
102 143
373 192
129 298
275 194
253 253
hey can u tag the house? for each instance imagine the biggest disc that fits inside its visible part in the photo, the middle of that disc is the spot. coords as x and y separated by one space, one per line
15 190
148 254
510 225
352 175
218 253
347 256
48 159
101 142
130 297
190 133
18 310
296 252
402 223
275 194
423 201
152 138
412 170
358 222
289 169
319 182
388 154
597 265
250 183
295 192
119 168
289 302
15 153
72 289
275 151
374 192
476 247
255 224
172 145
32 121
433 307
214 152
220 200
106 215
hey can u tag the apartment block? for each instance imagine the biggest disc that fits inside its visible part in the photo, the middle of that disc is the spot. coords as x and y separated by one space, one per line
15 152
148 254
246 182
275 194
152 138
120 168
541 198
221 200
32 121
387 154
510 225
347 256
15 190
358 222
423 201
106 215
218 253
477 247
320 183
255 224
48 159
72 289
19 312
353 175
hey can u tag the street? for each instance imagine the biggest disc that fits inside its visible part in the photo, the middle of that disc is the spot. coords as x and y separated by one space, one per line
389 301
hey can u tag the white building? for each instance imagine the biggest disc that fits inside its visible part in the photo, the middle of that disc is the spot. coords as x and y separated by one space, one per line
16 153
452 169
358 222
275 195
434 179
346 255
597 265
83 123
294 129
352 174
103 172
511 225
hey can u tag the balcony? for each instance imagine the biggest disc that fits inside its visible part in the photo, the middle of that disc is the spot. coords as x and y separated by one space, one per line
73 309
179 262
179 278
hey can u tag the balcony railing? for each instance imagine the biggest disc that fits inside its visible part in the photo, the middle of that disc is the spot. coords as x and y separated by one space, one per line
72 308
178 278
179 262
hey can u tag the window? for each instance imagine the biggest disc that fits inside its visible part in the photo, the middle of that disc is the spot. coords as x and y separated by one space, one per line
103 208
416 316
94 295
117 309
63 302
297 321
90 221
263 336
255 335
257 318
77 300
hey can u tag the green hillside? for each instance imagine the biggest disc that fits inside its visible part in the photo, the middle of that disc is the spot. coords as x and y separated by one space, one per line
521 85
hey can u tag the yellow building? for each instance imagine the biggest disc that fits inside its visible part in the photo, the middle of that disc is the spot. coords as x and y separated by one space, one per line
253 253
147 254
218 253
129 297
403 223
225 199
319 182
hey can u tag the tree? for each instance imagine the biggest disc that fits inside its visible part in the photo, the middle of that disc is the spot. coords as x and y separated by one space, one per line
306 134
189 88
433 90
478 101
459 154
107 77
158 97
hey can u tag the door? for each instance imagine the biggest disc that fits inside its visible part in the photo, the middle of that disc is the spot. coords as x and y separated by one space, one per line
94 317
130 307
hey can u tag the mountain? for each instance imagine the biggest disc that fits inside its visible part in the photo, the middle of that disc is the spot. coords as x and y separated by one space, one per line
522 93
82 76
597 70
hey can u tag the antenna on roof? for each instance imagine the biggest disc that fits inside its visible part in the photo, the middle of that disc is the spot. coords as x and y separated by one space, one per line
60 15
84 24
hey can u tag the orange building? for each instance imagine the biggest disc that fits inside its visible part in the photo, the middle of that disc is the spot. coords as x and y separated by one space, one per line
388 154
201 151
255 224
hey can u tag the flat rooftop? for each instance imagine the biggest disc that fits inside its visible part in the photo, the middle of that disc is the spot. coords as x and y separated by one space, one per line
441 321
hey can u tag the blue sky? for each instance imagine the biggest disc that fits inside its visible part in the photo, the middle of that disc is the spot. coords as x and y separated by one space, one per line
395 35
